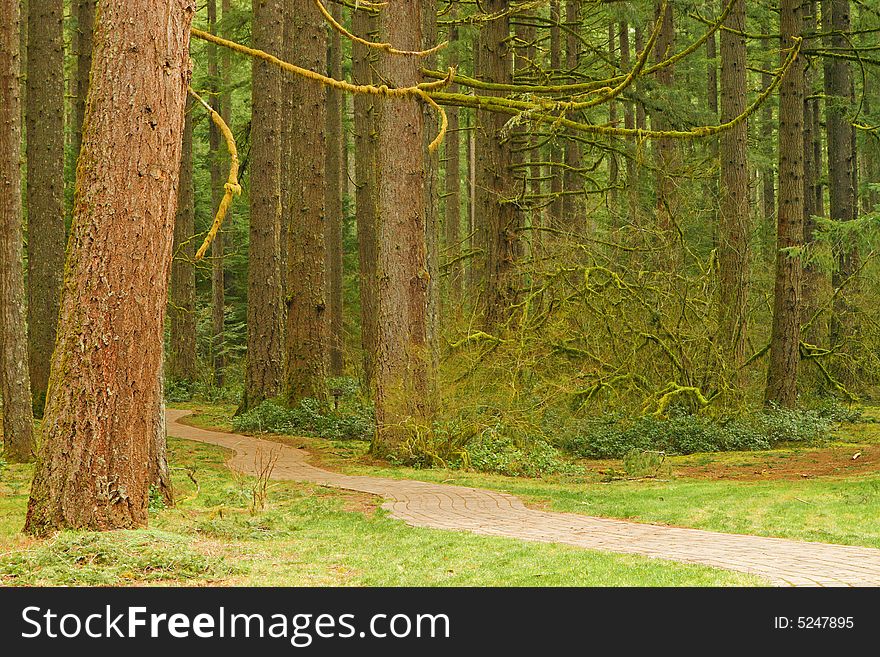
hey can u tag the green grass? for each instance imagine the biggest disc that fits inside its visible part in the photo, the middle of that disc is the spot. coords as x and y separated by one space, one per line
844 510
306 535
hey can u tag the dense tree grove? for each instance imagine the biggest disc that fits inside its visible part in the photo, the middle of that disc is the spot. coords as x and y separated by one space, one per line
513 217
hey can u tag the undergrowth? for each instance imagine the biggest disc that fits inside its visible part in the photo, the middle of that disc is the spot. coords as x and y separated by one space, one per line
108 558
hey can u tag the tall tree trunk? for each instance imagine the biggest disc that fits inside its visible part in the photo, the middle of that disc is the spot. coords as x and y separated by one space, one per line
666 210
734 229
93 470
557 219
812 277
16 428
841 165
404 362
335 184
306 337
182 364
572 182
629 122
785 336
85 27
431 192
613 164
263 370
45 185
495 183
218 275
768 177
365 25
453 186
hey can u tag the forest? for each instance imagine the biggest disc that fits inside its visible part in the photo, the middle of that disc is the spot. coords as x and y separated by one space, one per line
537 239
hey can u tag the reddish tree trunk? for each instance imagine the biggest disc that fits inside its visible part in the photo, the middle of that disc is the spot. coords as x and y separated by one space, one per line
100 421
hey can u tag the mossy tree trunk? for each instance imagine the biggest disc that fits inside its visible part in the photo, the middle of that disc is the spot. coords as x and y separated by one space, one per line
404 364
45 185
495 187
307 331
785 337
336 177
182 364
363 59
94 469
734 213
17 420
264 366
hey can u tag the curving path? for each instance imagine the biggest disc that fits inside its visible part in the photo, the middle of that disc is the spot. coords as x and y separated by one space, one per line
420 504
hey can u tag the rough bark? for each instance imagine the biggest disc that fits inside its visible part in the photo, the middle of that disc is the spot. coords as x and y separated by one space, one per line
306 336
629 122
556 177
404 363
221 79
842 204
263 370
335 182
16 429
734 213
812 277
100 420
665 184
452 183
785 337
45 185
182 365
613 164
495 186
365 25
85 27
572 182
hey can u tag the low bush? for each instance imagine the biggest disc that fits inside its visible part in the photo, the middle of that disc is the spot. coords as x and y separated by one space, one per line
352 421
680 433
466 445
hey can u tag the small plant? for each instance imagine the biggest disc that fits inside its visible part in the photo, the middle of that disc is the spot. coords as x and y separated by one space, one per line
264 467
157 501
644 463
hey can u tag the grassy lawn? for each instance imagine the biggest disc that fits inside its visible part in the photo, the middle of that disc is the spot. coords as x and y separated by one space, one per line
801 492
305 535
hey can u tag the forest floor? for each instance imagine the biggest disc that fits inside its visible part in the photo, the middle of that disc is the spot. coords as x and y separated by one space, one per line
311 535
798 492
305 535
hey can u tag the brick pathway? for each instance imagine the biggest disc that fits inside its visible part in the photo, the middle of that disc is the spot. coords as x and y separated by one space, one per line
420 504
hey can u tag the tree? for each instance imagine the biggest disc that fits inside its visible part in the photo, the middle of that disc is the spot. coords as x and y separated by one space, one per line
498 212
17 422
405 376
45 185
785 337
183 359
336 175
221 103
842 162
364 24
307 334
85 27
734 225
572 183
452 186
93 469
264 367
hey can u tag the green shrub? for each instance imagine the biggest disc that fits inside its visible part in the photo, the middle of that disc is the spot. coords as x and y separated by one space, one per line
353 421
460 445
615 436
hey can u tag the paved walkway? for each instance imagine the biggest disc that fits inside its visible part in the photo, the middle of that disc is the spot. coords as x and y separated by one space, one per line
420 504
